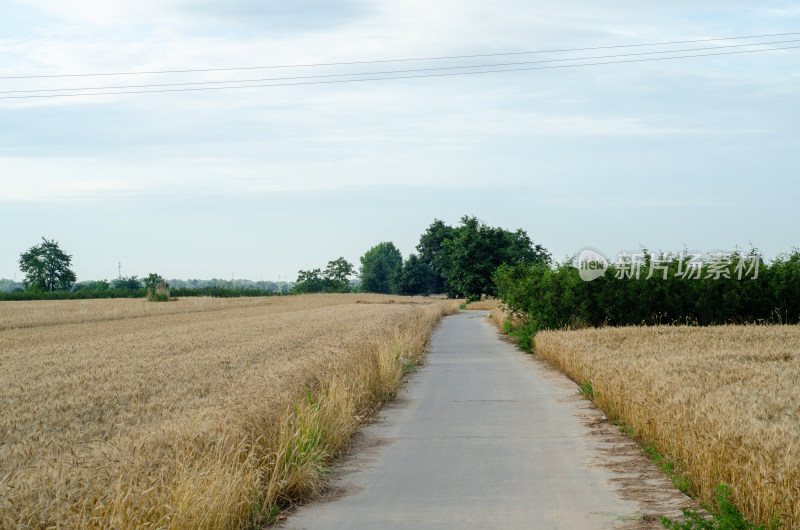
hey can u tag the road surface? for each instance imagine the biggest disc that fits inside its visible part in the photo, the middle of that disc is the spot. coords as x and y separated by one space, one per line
482 437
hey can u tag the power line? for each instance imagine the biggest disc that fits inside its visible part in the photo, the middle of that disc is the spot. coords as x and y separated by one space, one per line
196 70
440 68
403 77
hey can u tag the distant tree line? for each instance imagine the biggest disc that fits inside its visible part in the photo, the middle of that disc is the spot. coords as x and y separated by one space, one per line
231 284
125 289
10 286
742 289
457 261
222 292
49 276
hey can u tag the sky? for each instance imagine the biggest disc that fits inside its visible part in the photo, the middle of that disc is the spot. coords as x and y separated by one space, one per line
259 183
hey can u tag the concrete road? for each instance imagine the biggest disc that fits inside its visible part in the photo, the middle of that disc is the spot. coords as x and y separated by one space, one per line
480 438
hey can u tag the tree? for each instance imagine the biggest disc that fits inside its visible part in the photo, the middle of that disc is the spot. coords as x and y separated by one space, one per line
433 255
157 288
469 254
309 281
94 287
335 279
153 281
337 276
8 286
380 268
415 277
47 267
130 283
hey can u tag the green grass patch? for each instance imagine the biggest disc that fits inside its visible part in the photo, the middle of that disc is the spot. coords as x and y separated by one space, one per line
586 390
679 480
725 516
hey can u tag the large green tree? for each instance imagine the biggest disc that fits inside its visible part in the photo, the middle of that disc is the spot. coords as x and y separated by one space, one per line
380 268
47 267
434 256
309 281
415 277
466 256
337 275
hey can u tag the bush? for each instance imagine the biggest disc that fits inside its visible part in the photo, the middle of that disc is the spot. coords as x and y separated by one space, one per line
222 292
70 295
556 297
157 288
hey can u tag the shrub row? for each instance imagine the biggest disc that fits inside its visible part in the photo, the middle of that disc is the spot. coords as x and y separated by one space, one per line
553 297
71 295
222 292
218 292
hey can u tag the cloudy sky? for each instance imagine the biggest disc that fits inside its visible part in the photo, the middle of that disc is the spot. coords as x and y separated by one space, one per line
260 182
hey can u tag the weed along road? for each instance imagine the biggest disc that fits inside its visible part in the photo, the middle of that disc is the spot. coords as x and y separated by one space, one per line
485 437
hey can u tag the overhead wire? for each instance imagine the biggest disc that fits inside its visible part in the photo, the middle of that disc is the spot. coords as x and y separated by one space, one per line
387 72
349 63
398 77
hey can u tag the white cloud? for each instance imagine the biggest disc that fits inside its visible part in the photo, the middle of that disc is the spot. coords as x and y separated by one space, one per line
622 129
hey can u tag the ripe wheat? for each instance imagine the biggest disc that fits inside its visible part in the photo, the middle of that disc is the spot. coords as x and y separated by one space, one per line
201 413
722 402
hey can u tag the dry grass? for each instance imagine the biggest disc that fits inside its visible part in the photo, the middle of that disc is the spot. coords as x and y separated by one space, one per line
496 314
201 413
722 402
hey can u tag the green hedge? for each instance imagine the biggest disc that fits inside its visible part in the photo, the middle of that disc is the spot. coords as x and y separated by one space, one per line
71 295
218 292
552 297
222 292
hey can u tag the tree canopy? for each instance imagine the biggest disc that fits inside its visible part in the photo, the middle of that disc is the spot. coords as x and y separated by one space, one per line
47 267
335 278
459 261
464 258
415 278
128 283
431 254
157 288
380 268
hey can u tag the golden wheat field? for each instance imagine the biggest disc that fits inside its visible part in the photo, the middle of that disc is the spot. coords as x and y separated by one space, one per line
722 402
200 413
